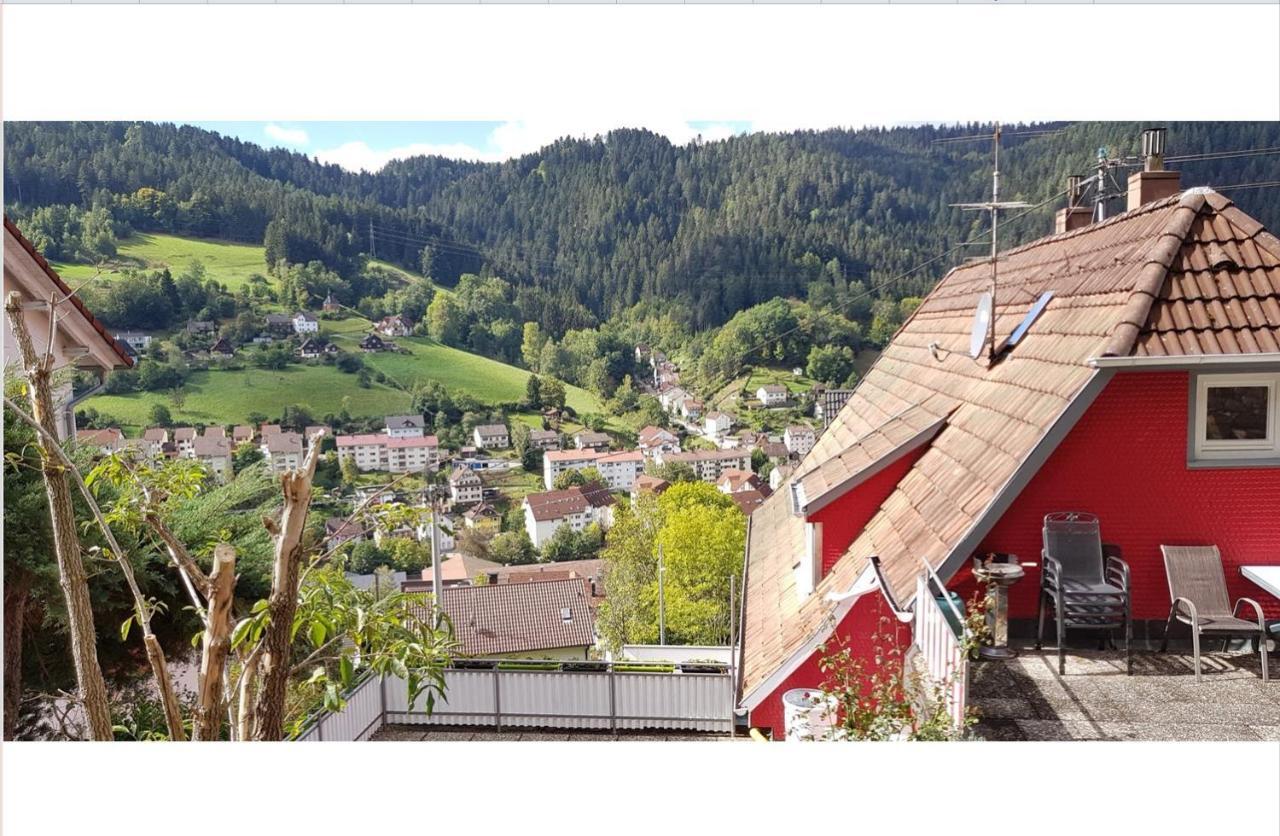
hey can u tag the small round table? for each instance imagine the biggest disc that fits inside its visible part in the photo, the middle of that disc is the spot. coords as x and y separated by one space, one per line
998 572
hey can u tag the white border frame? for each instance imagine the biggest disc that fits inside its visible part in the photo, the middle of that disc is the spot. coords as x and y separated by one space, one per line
1204 449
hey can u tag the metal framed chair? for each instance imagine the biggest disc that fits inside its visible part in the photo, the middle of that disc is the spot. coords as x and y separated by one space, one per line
1198 589
1085 582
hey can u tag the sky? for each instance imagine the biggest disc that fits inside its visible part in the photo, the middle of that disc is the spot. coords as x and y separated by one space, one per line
370 145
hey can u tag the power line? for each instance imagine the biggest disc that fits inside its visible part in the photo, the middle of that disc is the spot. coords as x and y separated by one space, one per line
1223 155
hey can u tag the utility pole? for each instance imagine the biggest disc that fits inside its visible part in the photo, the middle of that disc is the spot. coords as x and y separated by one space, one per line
437 573
373 251
662 601
1100 196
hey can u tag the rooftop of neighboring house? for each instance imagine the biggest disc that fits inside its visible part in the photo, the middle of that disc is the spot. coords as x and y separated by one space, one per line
735 480
774 389
207 445
799 429
278 319
555 505
184 433
572 455
110 435
692 403
401 422
214 431
283 443
591 437
159 434
651 484
480 510
751 499
1188 275
242 432
492 429
454 569
704 455
305 316
651 435
716 415
337 528
620 456
463 476
543 435
520 617
265 430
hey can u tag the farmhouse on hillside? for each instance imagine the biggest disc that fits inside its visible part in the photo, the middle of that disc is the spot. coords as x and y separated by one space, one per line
1144 391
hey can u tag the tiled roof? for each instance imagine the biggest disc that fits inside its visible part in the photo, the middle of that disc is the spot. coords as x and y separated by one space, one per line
463 475
184 433
645 482
110 435
555 505
491 429
520 617
652 435
211 446
155 434
125 359
283 442
401 421
572 455
749 500
241 432
1116 285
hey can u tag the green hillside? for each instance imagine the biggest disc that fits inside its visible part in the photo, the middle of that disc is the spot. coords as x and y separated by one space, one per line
225 397
228 262
459 371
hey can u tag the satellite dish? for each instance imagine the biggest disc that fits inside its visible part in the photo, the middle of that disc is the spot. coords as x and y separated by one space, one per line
981 326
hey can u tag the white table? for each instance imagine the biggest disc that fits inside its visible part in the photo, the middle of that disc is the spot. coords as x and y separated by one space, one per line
1267 577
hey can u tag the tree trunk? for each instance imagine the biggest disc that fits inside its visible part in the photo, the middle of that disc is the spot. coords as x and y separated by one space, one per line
283 602
74 582
216 643
17 591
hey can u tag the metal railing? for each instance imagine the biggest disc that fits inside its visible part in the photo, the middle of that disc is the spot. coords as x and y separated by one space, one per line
507 694
940 648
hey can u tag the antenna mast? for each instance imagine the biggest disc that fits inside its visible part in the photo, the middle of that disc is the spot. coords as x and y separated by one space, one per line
994 206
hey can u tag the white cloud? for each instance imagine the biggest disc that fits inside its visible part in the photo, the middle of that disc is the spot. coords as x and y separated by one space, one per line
294 137
510 139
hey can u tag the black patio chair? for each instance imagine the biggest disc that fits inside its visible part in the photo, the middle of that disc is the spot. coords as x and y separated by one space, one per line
1084 581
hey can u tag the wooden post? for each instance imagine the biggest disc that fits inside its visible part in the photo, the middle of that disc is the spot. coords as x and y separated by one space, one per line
66 543
216 643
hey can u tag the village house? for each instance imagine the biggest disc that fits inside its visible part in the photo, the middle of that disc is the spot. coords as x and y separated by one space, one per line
799 439
200 327
283 451
313 347
405 426
372 342
653 440
279 323
184 439
153 441
733 480
555 462
717 423
647 484
108 440
544 440
491 437
455 570
305 322
445 532
691 409
588 440
214 452
549 620
81 341
265 430
465 486
709 464
394 326
1160 312
576 507
137 340
481 515
772 394
338 531
671 398
222 349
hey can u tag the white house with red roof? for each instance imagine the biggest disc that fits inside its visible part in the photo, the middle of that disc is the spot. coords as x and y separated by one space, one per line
390 453
1143 388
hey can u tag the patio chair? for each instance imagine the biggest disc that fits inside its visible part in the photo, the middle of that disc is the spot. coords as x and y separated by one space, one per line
1085 582
1198 588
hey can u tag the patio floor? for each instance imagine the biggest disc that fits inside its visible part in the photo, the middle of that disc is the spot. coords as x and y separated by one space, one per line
1026 699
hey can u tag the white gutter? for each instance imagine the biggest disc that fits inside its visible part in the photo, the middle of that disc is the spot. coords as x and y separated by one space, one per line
1185 361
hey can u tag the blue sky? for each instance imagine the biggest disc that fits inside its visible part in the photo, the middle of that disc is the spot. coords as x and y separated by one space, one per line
370 145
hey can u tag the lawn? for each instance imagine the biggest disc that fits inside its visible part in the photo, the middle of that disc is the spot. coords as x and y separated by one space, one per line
225 397
459 371
227 261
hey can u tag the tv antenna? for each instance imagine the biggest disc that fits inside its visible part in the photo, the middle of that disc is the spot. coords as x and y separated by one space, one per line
995 206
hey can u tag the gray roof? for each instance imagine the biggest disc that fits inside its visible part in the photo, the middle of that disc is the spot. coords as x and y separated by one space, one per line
397 421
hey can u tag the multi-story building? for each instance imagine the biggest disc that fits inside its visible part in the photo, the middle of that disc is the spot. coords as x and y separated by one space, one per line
799 439
394 454
465 486
589 440
709 464
544 439
717 423
305 323
652 440
772 394
283 451
184 439
492 437
214 452
576 507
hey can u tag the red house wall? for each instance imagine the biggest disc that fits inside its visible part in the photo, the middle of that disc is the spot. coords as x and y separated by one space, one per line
859 627
1126 461
843 520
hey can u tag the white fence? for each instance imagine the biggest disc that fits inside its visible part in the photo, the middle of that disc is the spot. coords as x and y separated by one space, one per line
940 648
600 696
677 653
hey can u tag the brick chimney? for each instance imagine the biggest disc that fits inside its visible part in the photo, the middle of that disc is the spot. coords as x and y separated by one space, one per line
1153 182
1075 215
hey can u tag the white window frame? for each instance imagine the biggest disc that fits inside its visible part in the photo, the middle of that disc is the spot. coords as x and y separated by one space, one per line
1235 450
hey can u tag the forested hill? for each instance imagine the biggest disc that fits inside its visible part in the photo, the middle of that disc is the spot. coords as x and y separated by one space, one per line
608 222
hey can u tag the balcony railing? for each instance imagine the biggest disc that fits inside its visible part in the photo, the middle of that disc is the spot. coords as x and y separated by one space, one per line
504 694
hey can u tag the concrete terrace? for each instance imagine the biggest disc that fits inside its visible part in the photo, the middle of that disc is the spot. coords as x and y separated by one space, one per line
1026 699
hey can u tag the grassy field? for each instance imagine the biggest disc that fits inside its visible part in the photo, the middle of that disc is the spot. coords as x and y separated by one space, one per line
486 380
224 397
227 261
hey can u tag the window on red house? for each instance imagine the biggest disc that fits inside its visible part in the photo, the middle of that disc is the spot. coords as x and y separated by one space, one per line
1235 417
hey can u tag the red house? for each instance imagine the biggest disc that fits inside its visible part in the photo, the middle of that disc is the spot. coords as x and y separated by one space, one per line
1145 392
